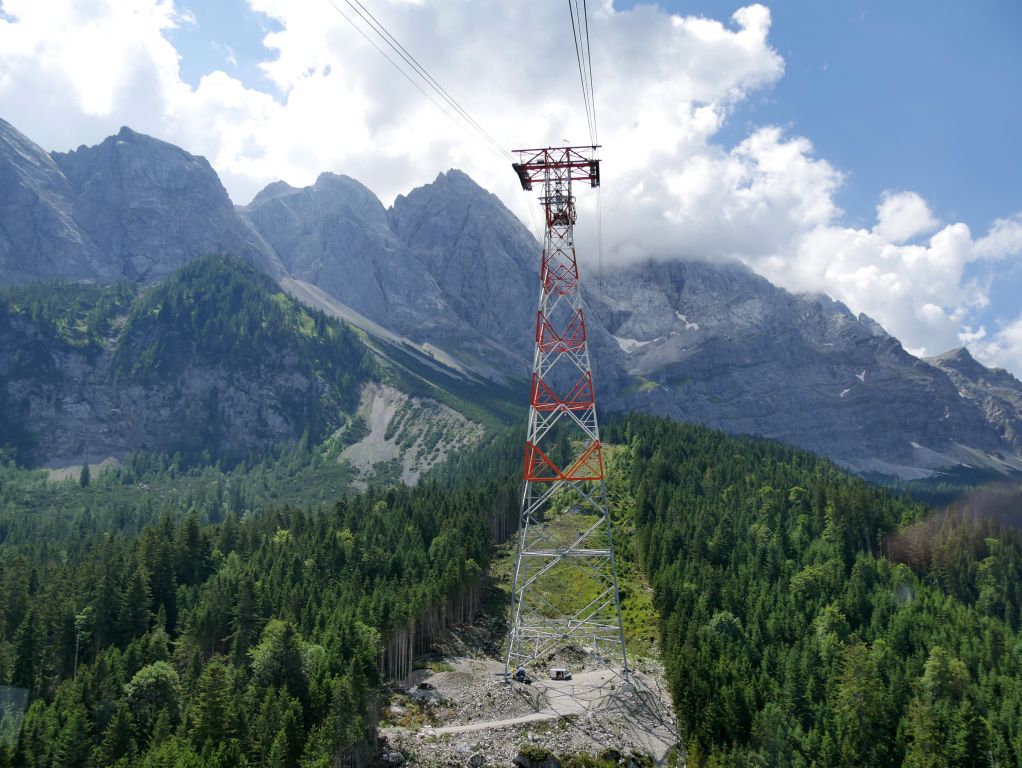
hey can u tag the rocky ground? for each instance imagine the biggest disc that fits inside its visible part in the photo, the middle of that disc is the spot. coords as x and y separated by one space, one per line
461 712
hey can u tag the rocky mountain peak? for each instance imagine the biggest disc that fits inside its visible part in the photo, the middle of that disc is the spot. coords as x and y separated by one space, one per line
450 185
145 165
270 191
961 362
148 207
20 155
457 177
334 191
331 194
994 391
872 326
39 237
482 256
959 358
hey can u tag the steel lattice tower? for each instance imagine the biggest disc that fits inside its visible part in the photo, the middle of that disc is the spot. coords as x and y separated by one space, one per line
565 580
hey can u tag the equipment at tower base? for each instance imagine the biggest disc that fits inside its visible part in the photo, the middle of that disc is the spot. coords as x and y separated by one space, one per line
565 590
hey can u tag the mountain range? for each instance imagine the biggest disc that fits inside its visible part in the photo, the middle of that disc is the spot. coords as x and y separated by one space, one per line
442 285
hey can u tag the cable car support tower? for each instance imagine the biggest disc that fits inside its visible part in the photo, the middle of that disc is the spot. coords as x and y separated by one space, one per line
565 590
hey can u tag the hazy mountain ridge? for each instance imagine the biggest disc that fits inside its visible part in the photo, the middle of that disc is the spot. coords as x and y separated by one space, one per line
721 346
449 268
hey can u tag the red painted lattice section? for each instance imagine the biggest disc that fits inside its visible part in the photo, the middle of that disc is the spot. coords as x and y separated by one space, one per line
572 339
579 396
539 468
559 275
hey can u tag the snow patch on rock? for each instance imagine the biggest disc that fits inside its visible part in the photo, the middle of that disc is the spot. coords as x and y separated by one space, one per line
629 345
688 326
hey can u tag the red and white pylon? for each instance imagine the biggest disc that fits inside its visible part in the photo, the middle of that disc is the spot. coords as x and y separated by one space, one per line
565 588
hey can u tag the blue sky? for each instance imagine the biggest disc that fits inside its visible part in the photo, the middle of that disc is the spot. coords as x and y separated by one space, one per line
897 95
924 96
868 150
225 34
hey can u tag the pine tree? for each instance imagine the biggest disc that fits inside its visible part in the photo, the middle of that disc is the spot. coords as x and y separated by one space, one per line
277 662
245 620
278 755
108 605
158 553
135 616
163 728
74 742
117 739
862 710
210 718
191 551
38 732
28 652
157 641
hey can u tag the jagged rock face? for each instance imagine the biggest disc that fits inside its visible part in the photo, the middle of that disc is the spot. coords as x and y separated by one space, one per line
39 238
78 403
718 345
132 208
335 235
447 265
482 257
152 207
993 391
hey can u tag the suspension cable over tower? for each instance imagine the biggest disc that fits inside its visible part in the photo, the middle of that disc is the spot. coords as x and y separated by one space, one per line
565 588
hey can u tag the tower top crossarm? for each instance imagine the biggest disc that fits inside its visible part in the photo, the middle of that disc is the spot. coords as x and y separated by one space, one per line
569 163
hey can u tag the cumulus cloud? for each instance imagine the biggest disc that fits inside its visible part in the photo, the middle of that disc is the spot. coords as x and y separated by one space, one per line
902 216
916 291
1003 240
1004 349
73 71
69 70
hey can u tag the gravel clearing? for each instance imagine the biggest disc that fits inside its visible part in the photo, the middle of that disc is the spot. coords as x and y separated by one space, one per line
470 716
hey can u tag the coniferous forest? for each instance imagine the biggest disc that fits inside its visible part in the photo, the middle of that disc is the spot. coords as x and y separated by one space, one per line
806 617
251 642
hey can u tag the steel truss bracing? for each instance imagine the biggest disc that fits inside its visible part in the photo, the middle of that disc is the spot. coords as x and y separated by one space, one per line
565 579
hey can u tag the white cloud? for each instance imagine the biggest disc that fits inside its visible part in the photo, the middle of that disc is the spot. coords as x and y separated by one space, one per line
1004 349
73 71
749 202
1003 240
902 216
70 70
919 292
